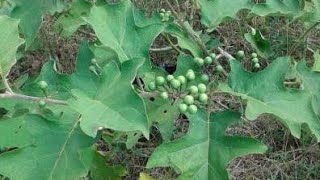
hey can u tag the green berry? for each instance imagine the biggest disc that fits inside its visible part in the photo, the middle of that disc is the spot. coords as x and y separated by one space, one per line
219 68
208 60
169 13
163 10
199 61
182 79
161 15
255 60
213 56
175 83
254 55
202 88
193 89
152 86
192 109
42 103
257 65
203 98
240 54
43 85
92 68
183 108
164 95
204 78
160 80
188 99
93 61
170 78
190 75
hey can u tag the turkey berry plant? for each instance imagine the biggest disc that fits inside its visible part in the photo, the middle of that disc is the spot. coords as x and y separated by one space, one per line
52 124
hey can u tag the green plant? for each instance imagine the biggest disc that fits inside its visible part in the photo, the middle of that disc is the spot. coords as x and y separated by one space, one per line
52 123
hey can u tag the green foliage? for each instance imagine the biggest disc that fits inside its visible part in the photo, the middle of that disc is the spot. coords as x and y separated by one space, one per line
265 93
52 125
259 43
31 14
205 151
46 149
116 27
10 42
213 12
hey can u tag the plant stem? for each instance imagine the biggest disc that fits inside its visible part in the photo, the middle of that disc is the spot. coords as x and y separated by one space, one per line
6 84
193 35
294 47
10 95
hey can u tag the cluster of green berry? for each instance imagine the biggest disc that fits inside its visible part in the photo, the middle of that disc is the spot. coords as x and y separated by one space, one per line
208 61
182 87
43 85
255 60
165 15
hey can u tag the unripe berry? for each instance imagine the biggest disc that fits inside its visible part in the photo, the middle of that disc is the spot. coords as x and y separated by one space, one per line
182 79
193 89
213 56
255 60
161 15
208 60
240 54
164 95
203 98
219 68
42 103
175 83
93 61
183 108
162 10
188 99
152 86
199 61
170 78
204 78
160 80
43 85
257 65
192 109
254 55
202 88
190 75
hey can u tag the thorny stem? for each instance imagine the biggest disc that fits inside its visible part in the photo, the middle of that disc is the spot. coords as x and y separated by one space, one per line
11 95
195 38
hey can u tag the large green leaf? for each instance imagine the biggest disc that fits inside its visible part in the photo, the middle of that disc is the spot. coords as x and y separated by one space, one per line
116 28
213 12
9 43
291 8
265 93
311 83
164 113
60 85
69 23
44 149
30 15
115 104
206 149
183 40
